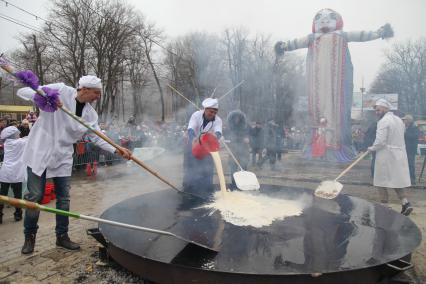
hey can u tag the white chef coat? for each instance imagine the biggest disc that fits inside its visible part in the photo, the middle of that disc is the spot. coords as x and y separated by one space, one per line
13 169
196 124
51 139
391 166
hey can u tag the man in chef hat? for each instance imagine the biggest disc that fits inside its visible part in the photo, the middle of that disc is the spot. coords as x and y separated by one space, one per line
48 153
198 174
391 165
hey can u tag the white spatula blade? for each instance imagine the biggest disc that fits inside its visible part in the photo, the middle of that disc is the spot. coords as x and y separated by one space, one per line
246 180
328 189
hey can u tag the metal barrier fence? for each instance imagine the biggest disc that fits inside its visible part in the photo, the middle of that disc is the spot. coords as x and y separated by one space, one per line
87 153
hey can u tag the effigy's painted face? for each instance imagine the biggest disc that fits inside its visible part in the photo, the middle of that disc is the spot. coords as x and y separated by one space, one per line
327 20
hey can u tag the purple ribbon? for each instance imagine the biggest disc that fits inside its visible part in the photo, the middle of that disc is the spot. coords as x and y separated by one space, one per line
48 103
27 77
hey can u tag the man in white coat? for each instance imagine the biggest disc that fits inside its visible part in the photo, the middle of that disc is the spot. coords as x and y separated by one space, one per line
48 153
198 174
13 170
391 166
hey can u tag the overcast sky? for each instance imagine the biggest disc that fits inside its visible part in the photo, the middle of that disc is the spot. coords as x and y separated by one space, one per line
279 18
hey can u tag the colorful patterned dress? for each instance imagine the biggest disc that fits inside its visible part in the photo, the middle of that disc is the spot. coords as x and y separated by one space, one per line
330 84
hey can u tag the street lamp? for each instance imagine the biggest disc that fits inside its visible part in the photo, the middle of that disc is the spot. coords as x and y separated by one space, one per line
362 89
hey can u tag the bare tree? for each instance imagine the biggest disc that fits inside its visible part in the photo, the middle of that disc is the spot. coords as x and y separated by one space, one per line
197 65
137 68
404 72
113 31
148 35
34 55
235 41
68 37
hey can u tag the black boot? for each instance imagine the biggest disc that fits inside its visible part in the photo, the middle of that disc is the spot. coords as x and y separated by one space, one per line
29 244
406 209
1 214
18 214
65 242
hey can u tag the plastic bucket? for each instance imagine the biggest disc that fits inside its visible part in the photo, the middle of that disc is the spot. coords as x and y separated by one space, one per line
206 143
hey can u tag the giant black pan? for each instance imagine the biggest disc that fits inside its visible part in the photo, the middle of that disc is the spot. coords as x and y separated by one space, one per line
345 240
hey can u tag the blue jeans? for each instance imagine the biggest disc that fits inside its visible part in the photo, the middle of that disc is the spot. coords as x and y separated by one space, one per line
36 185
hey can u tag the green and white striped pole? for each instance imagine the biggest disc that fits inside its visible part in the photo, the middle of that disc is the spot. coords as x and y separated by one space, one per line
21 203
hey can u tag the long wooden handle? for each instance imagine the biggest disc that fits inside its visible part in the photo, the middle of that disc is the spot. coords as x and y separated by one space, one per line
118 147
353 164
233 88
180 94
232 155
21 203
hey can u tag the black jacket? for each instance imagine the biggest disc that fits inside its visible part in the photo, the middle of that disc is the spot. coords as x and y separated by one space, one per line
412 135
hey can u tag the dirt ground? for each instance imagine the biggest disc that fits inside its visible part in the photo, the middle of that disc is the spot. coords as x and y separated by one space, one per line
91 196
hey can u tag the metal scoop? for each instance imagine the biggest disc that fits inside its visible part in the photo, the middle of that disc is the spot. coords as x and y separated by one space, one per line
244 180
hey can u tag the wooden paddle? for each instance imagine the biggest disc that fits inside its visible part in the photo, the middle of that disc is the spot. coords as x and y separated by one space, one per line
329 189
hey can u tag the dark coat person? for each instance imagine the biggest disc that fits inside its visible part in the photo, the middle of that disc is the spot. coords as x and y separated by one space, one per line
411 136
370 136
24 128
256 137
270 144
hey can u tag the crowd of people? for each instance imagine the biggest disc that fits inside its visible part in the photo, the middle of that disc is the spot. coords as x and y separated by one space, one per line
28 157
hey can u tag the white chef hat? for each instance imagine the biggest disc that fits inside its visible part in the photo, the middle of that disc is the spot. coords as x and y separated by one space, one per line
384 103
210 103
90 81
9 132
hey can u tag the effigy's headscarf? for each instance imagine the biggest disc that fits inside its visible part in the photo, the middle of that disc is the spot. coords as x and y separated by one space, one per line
327 19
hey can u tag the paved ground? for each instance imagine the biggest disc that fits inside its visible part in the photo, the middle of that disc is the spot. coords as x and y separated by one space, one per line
113 184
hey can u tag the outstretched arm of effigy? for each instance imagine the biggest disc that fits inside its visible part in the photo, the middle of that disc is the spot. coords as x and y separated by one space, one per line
281 46
383 32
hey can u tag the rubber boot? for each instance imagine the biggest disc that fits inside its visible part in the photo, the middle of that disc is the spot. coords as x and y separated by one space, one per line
1 213
18 214
29 244
65 242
